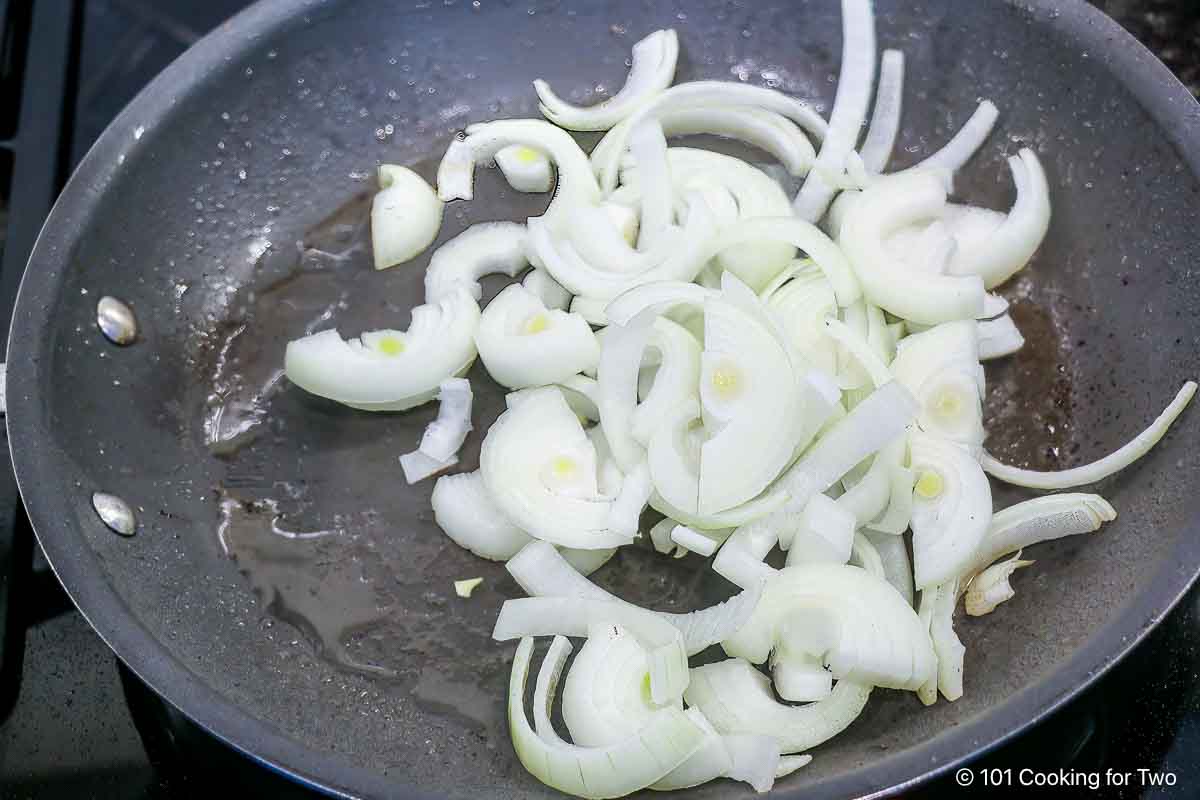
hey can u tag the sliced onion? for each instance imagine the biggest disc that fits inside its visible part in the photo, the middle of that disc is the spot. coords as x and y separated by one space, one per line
898 515
952 508
405 216
801 305
864 554
694 541
648 145
548 616
1041 519
868 498
389 370
767 130
884 207
741 558
824 534
885 117
937 610
862 351
737 698
657 297
673 459
456 173
1112 463
522 343
529 449
617 375
998 337
481 249
418 466
598 772
893 555
543 572
445 435
991 587
629 504
463 509
849 107
1013 243
858 624
526 169
546 289
652 70
799 677
769 501
607 153
970 137
674 381
940 366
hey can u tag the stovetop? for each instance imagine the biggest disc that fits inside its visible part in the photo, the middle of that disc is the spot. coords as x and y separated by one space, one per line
77 725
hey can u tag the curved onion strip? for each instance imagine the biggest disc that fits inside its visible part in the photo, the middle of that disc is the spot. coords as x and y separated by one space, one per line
418 466
629 504
598 772
864 554
799 677
617 375
858 624
769 501
481 249
824 533
547 687
736 698
998 337
874 422
937 611
952 508
991 587
849 108
1013 243
456 173
658 297
590 309
693 541
970 137
769 131
547 616
444 436
580 393
1114 462
543 572
405 216
674 381
536 441
885 117
674 464
526 169
652 68
858 346
648 145
868 498
1041 519
751 372
389 370
740 560
464 510
801 305
522 343
548 290
993 306
747 757
893 555
896 518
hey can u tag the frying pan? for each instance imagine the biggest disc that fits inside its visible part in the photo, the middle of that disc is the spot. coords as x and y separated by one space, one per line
226 206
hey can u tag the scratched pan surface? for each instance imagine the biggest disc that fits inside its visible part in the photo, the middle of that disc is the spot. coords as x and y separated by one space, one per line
226 205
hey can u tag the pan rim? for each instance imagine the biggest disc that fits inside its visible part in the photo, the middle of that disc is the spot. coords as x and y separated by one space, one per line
76 565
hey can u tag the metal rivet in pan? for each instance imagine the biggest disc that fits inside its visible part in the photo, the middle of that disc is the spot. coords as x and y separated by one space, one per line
115 513
116 320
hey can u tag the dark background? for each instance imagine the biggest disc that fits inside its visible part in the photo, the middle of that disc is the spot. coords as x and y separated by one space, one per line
80 727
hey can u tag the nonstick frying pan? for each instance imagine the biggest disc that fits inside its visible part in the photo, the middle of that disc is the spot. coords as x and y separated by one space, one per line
226 206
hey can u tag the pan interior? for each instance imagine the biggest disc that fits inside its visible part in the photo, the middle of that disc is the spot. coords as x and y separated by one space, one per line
240 225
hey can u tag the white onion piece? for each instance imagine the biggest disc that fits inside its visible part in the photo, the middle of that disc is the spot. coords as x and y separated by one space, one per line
578 390
659 297
789 764
857 623
940 366
617 375
769 501
998 337
993 306
389 370
604 700
864 554
405 216
866 429
767 130
674 381
896 518
445 435
595 772
607 153
952 508
660 536
824 534
628 505
885 117
527 451
737 698
858 346
543 572
673 461
849 108
652 68
893 555
868 498
547 687
800 234
1014 242
740 560
481 249
648 145
746 367
991 587
464 510
547 616
526 169
418 466
1041 519
937 611
576 183
693 541
522 343
799 677
591 309
546 289
801 305
970 137
624 218
884 207
1112 463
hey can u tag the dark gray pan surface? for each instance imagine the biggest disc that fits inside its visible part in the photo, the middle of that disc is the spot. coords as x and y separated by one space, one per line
270 130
